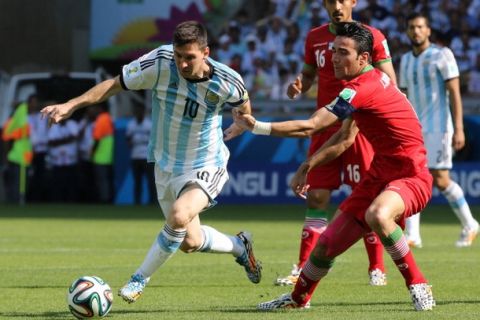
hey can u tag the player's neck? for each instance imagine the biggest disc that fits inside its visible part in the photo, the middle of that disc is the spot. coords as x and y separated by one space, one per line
418 49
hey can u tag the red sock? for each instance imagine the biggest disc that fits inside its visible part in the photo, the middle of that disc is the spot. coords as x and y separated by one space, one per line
304 288
397 247
375 251
315 223
409 269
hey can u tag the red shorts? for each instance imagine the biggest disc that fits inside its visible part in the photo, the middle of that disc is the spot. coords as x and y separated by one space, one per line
415 192
348 168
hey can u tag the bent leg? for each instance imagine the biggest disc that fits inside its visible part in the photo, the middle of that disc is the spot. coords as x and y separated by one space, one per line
340 235
387 208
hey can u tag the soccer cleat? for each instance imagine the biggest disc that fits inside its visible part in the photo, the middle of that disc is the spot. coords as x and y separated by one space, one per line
377 278
253 267
285 301
466 237
291 279
134 288
422 296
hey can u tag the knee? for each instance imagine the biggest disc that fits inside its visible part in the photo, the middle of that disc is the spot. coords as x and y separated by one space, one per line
178 219
377 216
318 199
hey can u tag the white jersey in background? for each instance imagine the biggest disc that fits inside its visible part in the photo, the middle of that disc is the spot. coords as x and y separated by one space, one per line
186 115
424 78
139 133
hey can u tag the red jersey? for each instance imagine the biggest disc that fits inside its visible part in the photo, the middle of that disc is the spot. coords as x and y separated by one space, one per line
318 53
388 121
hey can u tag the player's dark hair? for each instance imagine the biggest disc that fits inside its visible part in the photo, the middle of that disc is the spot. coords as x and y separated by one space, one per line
356 31
416 15
190 32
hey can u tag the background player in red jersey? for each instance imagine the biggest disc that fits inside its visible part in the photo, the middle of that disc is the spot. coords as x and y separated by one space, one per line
356 160
397 184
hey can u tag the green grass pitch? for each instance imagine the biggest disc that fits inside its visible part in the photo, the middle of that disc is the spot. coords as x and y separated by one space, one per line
43 248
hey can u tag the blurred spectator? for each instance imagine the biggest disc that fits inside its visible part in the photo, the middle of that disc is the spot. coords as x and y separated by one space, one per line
474 78
223 53
249 56
138 134
85 145
102 154
237 46
264 45
37 186
62 158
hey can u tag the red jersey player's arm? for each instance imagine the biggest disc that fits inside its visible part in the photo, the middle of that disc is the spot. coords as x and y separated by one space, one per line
335 146
387 67
303 82
320 120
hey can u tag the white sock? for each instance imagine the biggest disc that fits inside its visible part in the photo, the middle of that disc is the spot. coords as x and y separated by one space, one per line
412 227
165 245
217 242
459 205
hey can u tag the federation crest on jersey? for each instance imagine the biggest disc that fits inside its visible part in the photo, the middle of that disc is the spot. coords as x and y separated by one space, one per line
133 69
347 94
211 97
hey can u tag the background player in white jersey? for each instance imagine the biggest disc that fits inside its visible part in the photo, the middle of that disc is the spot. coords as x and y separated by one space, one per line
138 135
190 91
430 75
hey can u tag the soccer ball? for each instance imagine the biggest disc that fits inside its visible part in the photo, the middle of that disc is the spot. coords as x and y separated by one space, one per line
89 297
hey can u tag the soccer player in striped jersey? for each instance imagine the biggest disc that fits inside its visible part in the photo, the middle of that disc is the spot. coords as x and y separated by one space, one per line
356 160
189 93
430 76
397 184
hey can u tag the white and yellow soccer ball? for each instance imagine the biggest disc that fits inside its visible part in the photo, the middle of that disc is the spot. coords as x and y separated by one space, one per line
89 297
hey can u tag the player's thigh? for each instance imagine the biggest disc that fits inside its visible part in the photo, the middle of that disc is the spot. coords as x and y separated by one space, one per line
439 150
190 202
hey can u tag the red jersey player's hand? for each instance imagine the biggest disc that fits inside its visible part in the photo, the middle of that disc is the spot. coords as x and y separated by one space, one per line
299 184
243 120
295 88
458 140
232 131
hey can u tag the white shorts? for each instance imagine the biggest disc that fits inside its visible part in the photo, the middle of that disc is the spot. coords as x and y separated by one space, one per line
210 179
439 150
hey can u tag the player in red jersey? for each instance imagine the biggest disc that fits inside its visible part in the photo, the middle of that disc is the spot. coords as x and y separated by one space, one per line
397 184
353 164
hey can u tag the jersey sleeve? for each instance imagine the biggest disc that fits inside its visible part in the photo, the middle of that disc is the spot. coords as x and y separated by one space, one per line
342 105
403 73
381 51
447 64
238 93
143 72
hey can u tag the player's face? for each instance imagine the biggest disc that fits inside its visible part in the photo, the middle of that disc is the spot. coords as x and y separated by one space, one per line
347 63
190 60
339 10
418 31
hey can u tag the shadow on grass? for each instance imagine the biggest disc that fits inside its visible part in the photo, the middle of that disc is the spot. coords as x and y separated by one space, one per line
385 306
435 214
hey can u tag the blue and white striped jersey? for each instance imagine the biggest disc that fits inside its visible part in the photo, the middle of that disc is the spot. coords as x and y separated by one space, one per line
186 115
424 78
